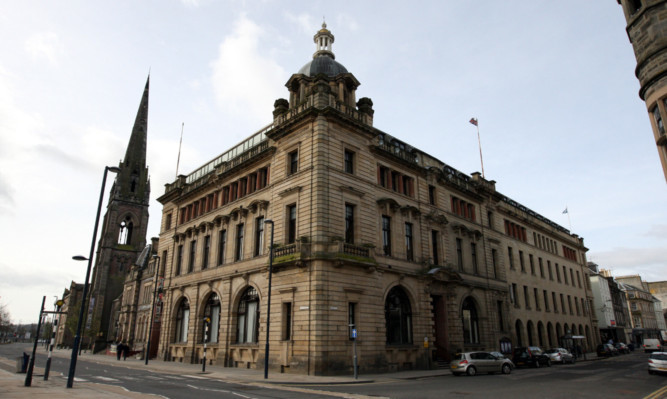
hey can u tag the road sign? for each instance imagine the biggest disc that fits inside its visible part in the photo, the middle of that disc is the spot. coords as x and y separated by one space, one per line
354 333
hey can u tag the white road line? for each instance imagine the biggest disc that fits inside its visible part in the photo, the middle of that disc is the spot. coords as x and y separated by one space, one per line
207 389
109 379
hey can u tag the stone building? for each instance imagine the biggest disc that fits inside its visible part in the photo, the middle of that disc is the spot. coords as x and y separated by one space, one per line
133 310
611 306
642 308
70 311
371 236
647 31
123 235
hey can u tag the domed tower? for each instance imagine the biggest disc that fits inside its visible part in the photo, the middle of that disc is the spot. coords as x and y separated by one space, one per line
647 27
325 76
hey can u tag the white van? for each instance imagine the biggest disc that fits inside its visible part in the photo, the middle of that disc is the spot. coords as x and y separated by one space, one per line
651 345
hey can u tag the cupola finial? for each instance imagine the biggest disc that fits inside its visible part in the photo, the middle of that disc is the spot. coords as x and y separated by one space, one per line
323 42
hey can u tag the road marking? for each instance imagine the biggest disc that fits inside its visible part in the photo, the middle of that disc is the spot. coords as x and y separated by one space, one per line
657 394
207 389
109 379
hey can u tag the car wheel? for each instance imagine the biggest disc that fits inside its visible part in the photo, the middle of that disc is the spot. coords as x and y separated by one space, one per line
549 363
537 364
471 371
506 369
650 372
574 360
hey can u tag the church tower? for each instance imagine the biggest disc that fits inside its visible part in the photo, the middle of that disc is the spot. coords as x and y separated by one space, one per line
647 31
124 228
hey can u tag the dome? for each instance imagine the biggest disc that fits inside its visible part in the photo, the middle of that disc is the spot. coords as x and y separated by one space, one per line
323 64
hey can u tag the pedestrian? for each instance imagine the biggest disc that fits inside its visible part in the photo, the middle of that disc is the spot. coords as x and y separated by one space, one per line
126 348
119 348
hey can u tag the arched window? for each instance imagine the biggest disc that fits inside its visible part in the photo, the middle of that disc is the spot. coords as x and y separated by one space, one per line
182 321
125 232
212 310
470 322
247 322
398 317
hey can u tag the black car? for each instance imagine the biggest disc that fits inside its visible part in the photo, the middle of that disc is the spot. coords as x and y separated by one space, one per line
622 348
530 356
606 350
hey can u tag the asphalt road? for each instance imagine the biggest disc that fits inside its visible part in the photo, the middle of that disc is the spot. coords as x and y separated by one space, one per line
624 376
163 384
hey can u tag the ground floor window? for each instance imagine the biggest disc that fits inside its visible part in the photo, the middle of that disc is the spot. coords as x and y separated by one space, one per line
247 324
470 322
182 321
398 315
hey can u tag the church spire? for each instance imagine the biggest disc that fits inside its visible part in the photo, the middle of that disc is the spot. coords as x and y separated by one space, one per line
135 155
132 182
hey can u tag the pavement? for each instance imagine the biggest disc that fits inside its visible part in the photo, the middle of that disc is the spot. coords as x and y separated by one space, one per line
12 385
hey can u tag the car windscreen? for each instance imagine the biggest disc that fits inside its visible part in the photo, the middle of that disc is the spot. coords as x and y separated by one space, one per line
659 356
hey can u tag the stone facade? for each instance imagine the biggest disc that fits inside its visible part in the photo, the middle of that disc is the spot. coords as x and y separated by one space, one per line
369 234
647 31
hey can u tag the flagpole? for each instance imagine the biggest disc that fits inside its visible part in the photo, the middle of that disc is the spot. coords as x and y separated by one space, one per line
479 142
475 122
178 160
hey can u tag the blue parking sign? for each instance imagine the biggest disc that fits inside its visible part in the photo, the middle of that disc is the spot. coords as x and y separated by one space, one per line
354 333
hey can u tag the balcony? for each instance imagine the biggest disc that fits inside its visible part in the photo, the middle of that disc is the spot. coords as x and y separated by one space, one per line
342 252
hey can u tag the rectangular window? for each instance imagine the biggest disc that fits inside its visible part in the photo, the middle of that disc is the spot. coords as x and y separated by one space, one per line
167 222
546 300
395 180
551 273
553 300
349 223
351 318
287 321
431 195
408 242
207 250
537 298
526 297
576 306
234 191
179 260
382 176
565 275
511 257
193 252
515 297
572 276
658 120
434 247
459 254
578 279
259 236
386 235
407 185
222 241
557 272
494 262
541 268
293 158
532 263
262 178
243 187
562 303
252 183
489 216
473 254
569 304
238 254
349 161
291 224
521 262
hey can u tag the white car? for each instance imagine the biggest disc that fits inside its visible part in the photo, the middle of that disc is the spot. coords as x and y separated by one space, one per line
651 345
560 355
657 363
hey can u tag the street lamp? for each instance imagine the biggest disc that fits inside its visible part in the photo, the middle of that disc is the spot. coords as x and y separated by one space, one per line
77 337
150 326
268 307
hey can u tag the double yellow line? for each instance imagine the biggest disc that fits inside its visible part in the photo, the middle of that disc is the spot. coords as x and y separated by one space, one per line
660 393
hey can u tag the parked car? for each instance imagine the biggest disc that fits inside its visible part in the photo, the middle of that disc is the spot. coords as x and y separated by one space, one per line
606 350
651 345
530 356
657 363
622 348
471 363
560 355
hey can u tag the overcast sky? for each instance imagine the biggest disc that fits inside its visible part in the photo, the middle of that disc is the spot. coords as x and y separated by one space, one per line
551 82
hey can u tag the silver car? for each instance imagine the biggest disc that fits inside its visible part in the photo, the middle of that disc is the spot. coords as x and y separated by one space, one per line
657 363
560 355
471 363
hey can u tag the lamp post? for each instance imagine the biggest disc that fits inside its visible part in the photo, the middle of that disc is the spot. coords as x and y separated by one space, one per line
268 304
150 326
77 337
